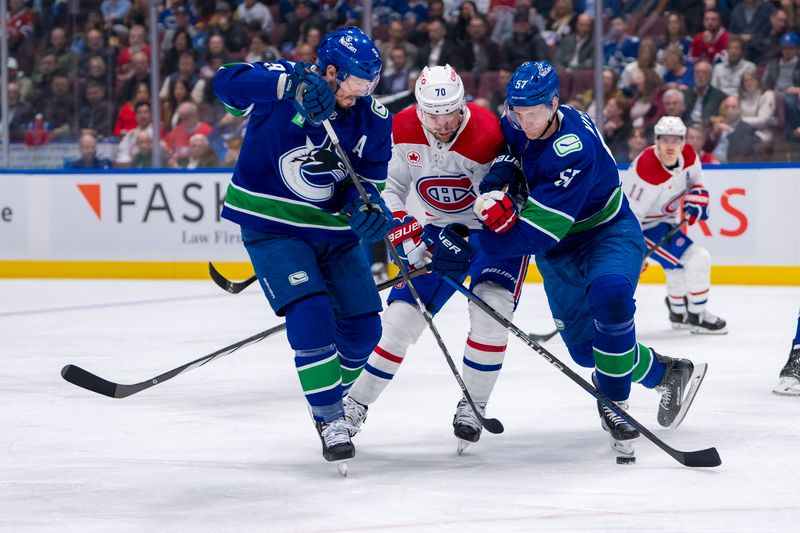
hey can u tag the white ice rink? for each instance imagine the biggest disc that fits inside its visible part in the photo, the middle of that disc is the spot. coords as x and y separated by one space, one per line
230 447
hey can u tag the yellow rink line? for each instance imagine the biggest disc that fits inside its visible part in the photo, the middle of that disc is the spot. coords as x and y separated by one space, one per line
723 275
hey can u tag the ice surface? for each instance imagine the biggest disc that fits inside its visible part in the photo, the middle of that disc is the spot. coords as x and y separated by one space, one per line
230 447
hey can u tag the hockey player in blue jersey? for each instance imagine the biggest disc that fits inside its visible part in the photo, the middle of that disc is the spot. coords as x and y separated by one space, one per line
789 384
301 215
567 208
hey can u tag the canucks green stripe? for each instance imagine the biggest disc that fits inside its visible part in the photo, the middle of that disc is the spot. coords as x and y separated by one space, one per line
349 376
611 208
288 212
323 376
643 363
550 221
614 365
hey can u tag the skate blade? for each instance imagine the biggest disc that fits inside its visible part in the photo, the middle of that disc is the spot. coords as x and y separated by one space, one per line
624 448
787 386
679 326
702 331
695 380
462 445
341 466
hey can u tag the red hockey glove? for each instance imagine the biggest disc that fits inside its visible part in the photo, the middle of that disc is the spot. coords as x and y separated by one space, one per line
496 210
406 237
695 204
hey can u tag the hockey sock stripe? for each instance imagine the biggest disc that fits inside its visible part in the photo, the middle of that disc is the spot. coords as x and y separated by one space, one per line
386 355
613 364
644 361
377 373
481 367
485 347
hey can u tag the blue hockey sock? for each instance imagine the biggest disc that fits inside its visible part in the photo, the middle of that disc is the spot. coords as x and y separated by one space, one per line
647 370
797 333
356 337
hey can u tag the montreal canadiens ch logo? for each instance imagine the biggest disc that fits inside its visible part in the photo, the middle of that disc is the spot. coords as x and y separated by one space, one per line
448 194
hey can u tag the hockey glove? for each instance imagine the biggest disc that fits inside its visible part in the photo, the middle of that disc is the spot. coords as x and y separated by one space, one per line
310 93
505 174
406 237
452 253
695 204
371 224
496 210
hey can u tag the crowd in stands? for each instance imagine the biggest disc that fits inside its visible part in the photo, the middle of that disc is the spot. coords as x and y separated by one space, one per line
728 68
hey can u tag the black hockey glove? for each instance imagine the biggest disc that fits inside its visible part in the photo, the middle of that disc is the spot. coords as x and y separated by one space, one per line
452 253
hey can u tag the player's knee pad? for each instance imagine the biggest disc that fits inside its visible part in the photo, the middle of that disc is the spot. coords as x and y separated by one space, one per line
582 354
611 300
482 326
358 335
317 310
697 266
402 325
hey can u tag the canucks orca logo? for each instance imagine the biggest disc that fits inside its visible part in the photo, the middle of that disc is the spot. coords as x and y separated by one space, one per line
448 194
311 172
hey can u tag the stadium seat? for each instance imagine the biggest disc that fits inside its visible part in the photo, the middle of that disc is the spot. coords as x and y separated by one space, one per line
488 85
565 79
582 81
470 83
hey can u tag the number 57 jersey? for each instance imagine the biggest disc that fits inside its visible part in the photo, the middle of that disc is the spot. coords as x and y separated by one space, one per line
445 177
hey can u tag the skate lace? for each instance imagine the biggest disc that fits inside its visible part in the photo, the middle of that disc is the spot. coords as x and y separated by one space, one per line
354 414
465 415
336 433
613 417
707 316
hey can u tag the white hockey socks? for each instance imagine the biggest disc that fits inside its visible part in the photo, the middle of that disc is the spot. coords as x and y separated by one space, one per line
697 274
487 340
402 326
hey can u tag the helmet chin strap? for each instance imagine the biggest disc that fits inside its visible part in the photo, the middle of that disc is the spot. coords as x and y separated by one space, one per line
549 123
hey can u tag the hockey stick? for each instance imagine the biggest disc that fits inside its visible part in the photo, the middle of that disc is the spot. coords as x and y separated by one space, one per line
492 425
666 238
543 337
233 287
85 379
708 457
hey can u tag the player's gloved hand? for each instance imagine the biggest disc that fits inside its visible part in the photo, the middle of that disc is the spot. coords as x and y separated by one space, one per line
451 252
496 210
406 237
695 204
310 93
371 224
505 174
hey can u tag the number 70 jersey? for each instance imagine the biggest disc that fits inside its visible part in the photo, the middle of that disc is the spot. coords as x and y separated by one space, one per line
445 177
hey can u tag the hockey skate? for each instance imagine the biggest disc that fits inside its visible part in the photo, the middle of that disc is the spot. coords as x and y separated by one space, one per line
336 445
678 388
677 320
621 432
706 323
466 426
354 413
789 384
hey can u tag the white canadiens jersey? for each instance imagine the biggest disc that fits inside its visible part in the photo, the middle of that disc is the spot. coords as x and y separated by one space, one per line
445 177
655 192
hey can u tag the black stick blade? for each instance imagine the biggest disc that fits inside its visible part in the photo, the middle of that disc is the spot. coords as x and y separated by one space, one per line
701 458
544 337
493 425
84 379
233 287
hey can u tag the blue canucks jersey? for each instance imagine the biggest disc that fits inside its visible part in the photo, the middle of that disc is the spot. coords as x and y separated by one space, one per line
574 186
276 183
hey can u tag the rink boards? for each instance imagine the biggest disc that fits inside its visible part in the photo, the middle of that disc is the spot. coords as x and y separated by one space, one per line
166 225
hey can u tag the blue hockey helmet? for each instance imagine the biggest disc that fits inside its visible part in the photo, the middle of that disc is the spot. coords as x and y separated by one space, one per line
533 83
353 54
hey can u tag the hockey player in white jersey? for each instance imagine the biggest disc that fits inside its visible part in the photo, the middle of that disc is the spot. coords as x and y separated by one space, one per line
442 149
658 180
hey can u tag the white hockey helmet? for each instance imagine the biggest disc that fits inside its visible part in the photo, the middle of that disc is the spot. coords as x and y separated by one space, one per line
440 95
670 126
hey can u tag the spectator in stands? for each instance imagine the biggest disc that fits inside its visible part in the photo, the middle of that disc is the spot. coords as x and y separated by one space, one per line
702 100
675 32
758 107
647 83
95 45
136 44
43 74
402 73
114 10
479 54
143 151
126 116
439 50
396 38
19 111
617 124
673 103
260 50
139 73
188 124
498 99
727 75
560 21
750 20
57 45
128 145
215 47
98 113
298 22
59 109
696 136
87 146
179 93
781 74
99 73
188 73
181 44
733 140
636 143
183 24
233 31
677 75
458 27
620 48
576 50
234 146
764 48
24 83
712 41
645 59
254 11
504 19
20 25
524 44
200 154
610 90
139 13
